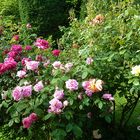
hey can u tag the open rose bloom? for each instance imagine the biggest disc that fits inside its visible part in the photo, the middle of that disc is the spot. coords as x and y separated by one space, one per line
92 86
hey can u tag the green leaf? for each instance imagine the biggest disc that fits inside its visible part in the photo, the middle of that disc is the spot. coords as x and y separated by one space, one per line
58 134
48 116
21 106
108 119
136 82
10 123
100 105
84 74
5 104
69 127
17 120
77 131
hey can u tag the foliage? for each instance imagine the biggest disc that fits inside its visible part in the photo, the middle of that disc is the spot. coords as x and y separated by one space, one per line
9 8
45 15
114 44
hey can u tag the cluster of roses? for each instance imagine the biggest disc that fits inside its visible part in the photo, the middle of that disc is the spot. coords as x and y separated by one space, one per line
8 64
56 104
14 55
26 91
15 51
27 122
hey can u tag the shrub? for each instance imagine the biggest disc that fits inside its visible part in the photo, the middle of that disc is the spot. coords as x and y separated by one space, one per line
45 15
9 8
113 42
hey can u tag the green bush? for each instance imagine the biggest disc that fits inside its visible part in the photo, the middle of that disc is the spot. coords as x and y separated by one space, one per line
9 8
45 15
113 42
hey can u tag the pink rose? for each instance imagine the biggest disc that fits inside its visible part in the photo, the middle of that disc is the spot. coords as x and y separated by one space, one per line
26 122
72 84
16 37
46 63
85 85
8 64
28 48
56 64
89 60
17 93
16 48
42 44
55 106
27 91
59 94
25 59
68 66
39 58
107 96
33 117
56 52
32 65
21 74
38 87
12 54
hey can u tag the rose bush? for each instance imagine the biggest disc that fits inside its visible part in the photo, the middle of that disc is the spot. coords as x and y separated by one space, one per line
52 94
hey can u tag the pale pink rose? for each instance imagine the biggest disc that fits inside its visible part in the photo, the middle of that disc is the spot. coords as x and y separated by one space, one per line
107 96
21 74
56 64
95 85
38 87
72 84
89 93
46 63
85 85
17 93
33 117
24 60
59 94
26 122
42 44
65 103
89 60
68 66
32 65
55 106
28 25
27 91
80 96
